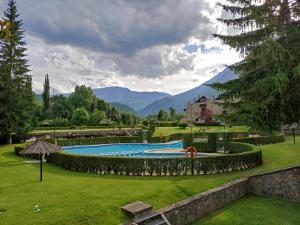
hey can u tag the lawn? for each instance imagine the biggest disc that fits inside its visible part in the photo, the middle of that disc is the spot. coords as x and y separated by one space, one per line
255 210
172 130
67 197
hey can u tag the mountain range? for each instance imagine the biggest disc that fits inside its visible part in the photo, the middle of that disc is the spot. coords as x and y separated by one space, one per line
134 99
146 103
180 101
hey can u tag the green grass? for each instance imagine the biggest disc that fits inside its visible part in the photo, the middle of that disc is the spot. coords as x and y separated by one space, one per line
67 197
172 130
255 210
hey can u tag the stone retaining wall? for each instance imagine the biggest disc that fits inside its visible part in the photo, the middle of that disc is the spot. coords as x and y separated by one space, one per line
191 209
281 183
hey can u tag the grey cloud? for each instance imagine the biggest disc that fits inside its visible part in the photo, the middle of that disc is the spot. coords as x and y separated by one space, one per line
115 26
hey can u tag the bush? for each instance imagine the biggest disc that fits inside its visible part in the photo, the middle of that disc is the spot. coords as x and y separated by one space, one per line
182 125
166 124
201 146
80 117
188 140
145 123
98 140
261 140
212 141
158 166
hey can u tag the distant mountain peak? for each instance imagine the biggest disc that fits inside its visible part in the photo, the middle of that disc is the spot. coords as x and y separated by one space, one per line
180 101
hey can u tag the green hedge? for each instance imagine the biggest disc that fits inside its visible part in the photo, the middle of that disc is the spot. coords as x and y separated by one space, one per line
188 140
166 124
201 146
261 140
98 140
84 127
158 166
237 147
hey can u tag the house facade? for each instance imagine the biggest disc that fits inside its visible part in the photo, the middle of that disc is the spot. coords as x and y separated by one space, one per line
194 111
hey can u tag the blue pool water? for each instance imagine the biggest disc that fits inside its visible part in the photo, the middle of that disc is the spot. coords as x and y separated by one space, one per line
130 150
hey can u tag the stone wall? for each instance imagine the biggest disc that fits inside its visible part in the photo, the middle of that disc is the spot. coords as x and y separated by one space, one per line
191 209
281 183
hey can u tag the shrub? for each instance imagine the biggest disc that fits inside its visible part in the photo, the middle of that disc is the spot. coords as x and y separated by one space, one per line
96 117
80 117
261 140
152 129
59 122
145 123
201 146
166 124
187 140
141 136
212 141
98 140
158 166
182 125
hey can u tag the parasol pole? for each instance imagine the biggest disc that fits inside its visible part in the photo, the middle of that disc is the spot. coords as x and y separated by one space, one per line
41 167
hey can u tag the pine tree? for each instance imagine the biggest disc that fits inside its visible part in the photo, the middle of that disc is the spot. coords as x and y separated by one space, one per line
15 84
46 93
265 94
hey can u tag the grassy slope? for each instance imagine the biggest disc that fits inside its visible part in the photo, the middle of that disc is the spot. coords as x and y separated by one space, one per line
171 130
255 210
67 197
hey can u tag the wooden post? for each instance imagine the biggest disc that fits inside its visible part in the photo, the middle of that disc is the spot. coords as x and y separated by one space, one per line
41 167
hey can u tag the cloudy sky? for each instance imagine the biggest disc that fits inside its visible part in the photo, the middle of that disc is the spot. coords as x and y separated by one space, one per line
157 45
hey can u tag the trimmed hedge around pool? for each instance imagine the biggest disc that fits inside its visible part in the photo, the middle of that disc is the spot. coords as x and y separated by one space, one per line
261 140
203 146
162 166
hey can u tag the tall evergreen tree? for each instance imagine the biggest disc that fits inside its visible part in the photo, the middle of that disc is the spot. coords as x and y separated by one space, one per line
15 83
46 93
265 94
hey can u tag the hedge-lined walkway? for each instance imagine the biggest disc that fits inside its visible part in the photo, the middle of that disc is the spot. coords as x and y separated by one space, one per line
67 197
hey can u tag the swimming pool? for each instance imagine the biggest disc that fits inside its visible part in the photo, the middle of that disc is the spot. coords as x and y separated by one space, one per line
129 150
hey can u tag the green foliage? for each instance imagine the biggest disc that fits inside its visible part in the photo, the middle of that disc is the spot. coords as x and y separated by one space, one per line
82 98
96 117
182 125
187 140
266 94
261 140
145 123
162 115
57 122
80 117
166 124
46 93
16 95
212 141
141 136
158 166
61 107
98 140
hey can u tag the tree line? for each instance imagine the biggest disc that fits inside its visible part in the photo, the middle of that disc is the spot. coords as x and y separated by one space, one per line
80 108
